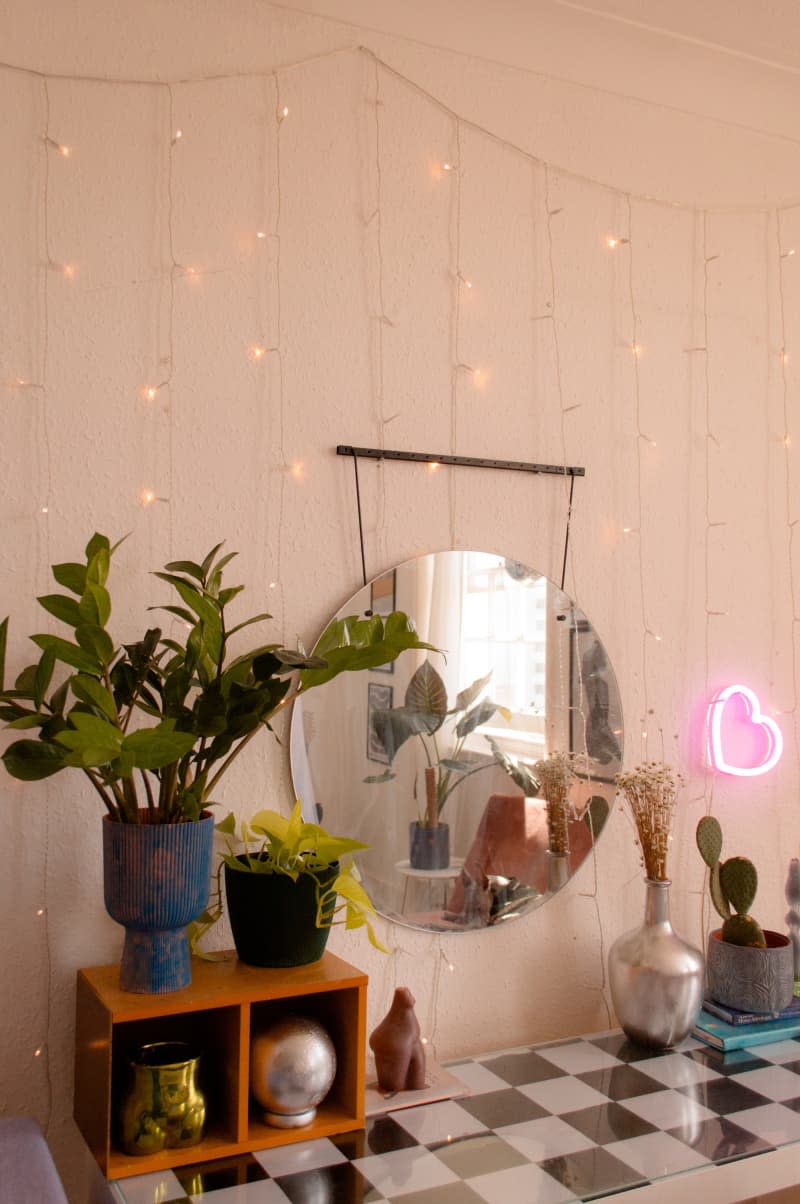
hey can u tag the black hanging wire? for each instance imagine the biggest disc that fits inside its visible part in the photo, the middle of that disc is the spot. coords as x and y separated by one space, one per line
566 533
375 453
360 523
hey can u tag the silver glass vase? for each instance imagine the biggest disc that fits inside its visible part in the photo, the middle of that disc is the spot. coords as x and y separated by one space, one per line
656 977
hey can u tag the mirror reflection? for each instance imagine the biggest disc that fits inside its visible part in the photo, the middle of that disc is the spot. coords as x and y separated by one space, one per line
479 775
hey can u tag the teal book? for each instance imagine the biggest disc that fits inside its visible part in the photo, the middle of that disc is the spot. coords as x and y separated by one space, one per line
721 1035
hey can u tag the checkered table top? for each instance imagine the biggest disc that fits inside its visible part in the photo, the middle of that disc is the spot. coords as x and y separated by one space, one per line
571 1120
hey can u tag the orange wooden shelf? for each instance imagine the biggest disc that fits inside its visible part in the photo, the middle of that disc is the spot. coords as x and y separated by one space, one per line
224 1003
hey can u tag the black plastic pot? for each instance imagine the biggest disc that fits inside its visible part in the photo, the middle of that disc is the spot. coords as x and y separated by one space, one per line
273 918
429 848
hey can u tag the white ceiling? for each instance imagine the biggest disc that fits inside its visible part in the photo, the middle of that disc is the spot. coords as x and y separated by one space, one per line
764 31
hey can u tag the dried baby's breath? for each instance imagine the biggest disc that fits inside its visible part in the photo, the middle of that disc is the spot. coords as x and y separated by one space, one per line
555 774
650 791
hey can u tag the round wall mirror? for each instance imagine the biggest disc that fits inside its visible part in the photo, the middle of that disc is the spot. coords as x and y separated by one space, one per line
431 760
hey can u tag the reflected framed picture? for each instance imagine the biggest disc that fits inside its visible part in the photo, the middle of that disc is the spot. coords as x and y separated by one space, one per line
382 602
379 698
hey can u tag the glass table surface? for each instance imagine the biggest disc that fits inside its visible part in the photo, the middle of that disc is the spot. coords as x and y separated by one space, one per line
580 1119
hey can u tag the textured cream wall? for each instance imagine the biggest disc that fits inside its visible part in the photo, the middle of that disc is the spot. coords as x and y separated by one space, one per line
686 446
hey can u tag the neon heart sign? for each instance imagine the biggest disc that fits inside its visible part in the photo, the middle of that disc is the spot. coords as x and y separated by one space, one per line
758 734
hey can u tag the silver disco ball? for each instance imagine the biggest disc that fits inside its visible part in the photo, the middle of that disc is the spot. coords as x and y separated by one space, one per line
292 1068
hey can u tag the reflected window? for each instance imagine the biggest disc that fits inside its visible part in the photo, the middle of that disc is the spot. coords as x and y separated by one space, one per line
504 629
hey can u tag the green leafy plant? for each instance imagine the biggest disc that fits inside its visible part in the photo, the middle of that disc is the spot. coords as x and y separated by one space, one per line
269 843
732 885
424 715
155 724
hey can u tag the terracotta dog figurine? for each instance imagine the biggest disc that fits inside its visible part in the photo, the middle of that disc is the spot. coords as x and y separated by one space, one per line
399 1052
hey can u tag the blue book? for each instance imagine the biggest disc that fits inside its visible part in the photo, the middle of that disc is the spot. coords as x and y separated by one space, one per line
722 1035
734 1016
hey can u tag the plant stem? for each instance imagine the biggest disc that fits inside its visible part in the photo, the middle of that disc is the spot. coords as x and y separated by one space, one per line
431 809
112 810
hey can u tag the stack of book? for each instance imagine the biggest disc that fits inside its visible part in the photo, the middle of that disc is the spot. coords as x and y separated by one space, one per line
726 1028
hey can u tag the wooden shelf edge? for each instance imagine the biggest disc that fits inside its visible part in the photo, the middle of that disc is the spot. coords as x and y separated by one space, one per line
260 1137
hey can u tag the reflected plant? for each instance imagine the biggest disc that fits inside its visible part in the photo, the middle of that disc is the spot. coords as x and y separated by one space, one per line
424 714
556 773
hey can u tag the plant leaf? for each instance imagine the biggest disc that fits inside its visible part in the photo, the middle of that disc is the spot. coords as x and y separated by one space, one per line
466 697
72 576
69 654
96 640
153 748
95 605
186 566
89 690
33 760
44 674
65 609
426 692
479 714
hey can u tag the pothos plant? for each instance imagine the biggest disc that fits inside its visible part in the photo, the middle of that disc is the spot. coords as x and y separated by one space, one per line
424 714
269 843
156 723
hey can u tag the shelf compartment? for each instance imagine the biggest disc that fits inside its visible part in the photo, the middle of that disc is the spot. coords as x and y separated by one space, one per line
225 1001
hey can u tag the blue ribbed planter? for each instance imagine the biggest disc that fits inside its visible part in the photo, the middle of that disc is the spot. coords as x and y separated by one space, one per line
156 881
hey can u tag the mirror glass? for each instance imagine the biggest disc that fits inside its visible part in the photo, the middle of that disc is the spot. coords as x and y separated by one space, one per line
431 760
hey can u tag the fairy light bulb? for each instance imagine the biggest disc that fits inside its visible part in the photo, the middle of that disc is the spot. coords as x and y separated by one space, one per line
261 234
68 270
447 167
283 113
787 254
434 466
40 911
37 1053
257 352
636 349
176 137
64 151
151 392
147 497
297 470
612 242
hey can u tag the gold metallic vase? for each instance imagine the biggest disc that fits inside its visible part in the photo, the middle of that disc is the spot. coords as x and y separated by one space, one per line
164 1107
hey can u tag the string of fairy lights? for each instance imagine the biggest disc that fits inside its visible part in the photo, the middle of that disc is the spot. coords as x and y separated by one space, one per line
266 352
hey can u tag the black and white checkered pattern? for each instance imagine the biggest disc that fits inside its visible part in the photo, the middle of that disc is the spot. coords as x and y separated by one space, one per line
572 1120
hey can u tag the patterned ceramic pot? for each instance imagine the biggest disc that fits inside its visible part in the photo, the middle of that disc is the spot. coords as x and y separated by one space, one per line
752 980
156 880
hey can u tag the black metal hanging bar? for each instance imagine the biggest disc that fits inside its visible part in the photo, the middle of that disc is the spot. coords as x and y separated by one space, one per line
380 453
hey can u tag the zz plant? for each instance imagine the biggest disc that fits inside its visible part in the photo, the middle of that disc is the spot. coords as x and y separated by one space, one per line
155 724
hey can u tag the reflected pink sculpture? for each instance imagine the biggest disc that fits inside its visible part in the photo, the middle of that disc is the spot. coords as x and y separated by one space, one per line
399 1052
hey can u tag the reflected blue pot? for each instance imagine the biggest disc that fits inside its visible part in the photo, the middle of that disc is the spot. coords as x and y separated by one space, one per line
156 881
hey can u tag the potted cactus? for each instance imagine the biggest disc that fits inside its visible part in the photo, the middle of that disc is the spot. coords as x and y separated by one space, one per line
747 967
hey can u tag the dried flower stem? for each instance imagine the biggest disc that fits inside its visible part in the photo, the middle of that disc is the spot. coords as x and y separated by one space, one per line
650 791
